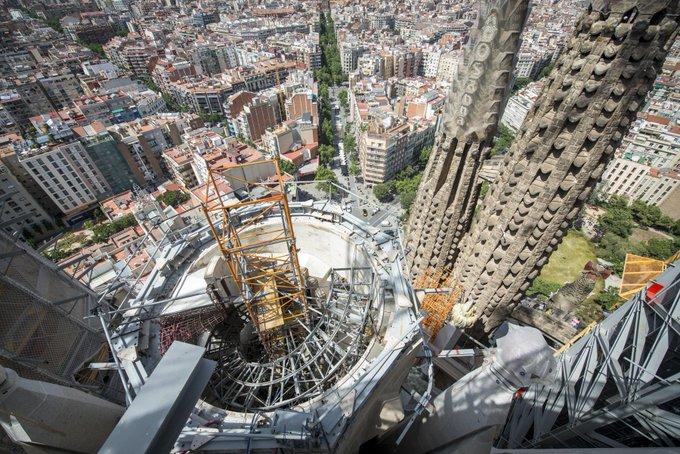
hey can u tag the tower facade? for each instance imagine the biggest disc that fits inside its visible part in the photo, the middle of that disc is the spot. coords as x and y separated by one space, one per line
586 107
449 190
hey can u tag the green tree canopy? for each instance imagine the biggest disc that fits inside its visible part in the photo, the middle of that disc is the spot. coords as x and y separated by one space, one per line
618 221
325 177
354 168
102 232
503 140
173 198
657 248
327 131
520 83
546 71
344 99
617 201
383 191
613 248
350 143
326 153
424 157
608 298
542 288
287 166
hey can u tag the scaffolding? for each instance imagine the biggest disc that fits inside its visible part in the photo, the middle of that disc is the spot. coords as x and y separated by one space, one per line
264 265
637 272
440 296
313 363
615 386
43 332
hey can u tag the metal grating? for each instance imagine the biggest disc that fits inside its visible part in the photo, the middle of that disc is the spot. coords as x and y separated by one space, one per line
42 332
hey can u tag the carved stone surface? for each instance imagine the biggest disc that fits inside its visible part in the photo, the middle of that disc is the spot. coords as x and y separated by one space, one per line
591 97
573 293
447 197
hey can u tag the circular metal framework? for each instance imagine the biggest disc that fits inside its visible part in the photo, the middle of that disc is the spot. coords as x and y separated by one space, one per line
337 336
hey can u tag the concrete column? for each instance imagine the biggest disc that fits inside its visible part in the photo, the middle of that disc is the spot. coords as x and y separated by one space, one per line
43 417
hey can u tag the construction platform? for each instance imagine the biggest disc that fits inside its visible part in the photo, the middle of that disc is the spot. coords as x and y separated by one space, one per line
357 341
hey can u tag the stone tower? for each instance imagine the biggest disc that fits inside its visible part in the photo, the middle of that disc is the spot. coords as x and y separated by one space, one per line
447 196
585 109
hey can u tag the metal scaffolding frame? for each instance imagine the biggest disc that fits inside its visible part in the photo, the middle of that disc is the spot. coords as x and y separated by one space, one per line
617 386
312 363
271 284
637 271
438 300
43 334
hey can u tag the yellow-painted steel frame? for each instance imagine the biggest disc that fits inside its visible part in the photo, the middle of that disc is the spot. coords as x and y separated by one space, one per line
264 278
637 272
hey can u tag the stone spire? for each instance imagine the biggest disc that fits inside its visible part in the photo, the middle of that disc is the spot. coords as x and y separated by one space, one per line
591 97
449 190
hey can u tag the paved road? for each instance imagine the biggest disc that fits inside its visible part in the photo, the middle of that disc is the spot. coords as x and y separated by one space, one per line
360 196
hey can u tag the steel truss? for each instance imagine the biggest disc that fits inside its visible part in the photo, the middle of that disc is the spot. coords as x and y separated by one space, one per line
617 386
338 334
264 266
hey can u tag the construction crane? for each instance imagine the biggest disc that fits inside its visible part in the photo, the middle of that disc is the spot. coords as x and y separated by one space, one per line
271 285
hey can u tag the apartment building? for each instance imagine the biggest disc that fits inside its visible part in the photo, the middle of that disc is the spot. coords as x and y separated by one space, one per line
16 111
109 109
291 135
179 161
66 173
32 94
638 181
19 211
61 87
102 148
142 143
519 105
525 65
447 71
300 103
389 144
647 165
166 72
255 118
132 54
10 160
349 56
204 95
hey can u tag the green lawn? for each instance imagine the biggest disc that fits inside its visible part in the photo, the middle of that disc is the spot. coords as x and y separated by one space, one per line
567 262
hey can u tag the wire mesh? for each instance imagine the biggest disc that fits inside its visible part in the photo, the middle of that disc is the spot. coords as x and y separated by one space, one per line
42 332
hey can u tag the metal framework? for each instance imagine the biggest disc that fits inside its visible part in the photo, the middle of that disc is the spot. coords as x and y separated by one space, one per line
637 271
271 283
437 304
619 385
187 325
42 332
339 334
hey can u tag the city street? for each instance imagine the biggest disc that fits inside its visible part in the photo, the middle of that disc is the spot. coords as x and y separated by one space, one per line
359 197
